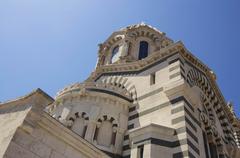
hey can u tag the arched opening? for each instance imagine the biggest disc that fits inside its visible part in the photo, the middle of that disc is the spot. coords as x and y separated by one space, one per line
143 50
105 132
79 123
115 54
78 126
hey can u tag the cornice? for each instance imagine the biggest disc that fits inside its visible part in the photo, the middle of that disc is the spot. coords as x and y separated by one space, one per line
152 128
91 96
99 93
87 87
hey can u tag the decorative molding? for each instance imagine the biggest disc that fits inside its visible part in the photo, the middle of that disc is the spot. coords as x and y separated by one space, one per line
51 125
196 78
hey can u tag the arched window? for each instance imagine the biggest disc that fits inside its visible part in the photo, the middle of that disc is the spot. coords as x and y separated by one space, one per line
79 124
115 54
143 50
105 132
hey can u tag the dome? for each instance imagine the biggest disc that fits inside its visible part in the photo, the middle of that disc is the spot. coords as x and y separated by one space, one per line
103 104
132 43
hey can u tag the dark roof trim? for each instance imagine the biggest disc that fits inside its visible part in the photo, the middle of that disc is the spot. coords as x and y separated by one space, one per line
110 93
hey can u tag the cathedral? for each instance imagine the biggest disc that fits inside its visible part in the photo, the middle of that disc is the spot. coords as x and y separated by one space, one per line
148 97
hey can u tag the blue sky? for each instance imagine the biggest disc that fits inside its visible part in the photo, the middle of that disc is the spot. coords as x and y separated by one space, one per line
51 44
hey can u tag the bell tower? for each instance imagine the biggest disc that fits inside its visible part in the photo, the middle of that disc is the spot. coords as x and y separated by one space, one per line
130 44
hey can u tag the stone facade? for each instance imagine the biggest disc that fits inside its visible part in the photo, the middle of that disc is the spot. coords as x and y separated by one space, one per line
147 97
27 131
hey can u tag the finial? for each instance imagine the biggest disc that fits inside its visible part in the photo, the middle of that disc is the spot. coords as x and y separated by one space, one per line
230 106
142 23
213 75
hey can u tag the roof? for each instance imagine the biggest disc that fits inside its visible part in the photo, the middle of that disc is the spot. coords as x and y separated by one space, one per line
34 92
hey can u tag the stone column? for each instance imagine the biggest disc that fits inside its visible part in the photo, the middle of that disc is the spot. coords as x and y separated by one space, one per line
124 49
134 152
119 140
147 151
100 46
92 123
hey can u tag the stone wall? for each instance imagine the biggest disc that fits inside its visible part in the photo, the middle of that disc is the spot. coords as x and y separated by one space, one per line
10 119
29 132
40 144
49 139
